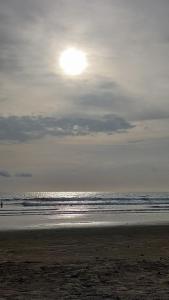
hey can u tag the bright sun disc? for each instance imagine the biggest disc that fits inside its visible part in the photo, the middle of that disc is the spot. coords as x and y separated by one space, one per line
73 61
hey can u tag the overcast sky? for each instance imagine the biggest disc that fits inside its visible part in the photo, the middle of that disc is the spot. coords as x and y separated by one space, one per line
107 129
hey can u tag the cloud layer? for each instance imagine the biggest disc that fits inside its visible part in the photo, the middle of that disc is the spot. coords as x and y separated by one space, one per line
21 129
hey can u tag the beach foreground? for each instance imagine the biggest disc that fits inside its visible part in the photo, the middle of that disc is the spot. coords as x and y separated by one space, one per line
85 263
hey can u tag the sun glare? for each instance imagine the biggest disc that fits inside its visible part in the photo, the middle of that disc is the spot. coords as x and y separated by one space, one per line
73 61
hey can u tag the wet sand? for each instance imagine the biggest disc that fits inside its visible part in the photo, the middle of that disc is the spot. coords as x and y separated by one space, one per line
85 263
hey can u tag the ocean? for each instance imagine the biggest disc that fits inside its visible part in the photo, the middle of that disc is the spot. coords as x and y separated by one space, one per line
71 209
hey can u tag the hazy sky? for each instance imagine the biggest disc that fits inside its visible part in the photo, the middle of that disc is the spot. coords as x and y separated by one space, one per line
107 129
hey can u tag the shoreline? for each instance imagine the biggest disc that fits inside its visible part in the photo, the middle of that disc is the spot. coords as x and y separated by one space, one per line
87 226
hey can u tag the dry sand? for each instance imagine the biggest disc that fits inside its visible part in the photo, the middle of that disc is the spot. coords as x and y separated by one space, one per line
94 263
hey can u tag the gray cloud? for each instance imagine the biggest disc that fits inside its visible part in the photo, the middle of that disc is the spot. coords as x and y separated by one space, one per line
23 174
25 128
106 99
102 94
152 114
4 173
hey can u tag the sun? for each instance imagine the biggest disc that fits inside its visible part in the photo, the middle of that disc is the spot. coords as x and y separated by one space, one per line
73 61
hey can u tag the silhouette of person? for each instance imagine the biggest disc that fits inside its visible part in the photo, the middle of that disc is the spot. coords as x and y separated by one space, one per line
1 204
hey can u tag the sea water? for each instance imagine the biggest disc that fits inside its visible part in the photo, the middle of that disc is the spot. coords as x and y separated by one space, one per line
69 209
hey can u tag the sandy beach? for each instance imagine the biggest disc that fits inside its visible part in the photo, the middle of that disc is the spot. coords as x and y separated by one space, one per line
85 263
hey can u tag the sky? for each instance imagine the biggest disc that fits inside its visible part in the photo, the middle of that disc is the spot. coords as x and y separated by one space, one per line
104 130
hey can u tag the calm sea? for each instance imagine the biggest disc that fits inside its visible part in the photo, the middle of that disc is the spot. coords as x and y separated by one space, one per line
66 209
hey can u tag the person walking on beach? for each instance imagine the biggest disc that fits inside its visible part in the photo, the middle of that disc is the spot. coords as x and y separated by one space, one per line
1 204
